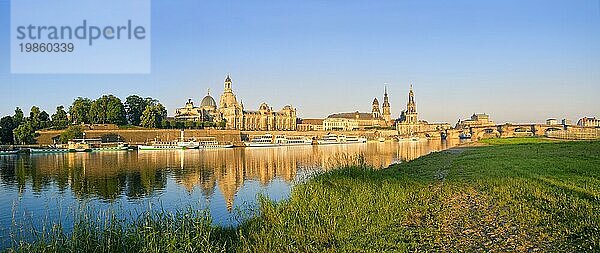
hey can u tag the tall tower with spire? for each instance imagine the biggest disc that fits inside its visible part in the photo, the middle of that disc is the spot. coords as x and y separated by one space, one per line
411 107
228 84
387 115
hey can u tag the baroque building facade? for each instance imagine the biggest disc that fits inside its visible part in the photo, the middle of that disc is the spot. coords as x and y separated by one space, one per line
232 113
349 121
207 111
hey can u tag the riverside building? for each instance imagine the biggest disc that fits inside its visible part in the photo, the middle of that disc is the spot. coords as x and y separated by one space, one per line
233 114
361 120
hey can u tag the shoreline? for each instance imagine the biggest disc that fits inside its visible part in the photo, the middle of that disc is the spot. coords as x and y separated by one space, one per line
476 200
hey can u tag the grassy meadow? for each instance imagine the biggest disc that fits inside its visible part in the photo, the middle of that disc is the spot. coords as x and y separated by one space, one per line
522 194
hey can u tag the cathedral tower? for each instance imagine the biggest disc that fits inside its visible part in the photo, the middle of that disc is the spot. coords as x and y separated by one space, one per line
411 107
387 115
376 112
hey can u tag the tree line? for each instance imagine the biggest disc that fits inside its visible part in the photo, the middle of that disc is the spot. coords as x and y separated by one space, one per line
107 109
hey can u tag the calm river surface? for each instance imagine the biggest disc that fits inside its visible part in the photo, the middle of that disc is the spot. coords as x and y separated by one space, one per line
48 188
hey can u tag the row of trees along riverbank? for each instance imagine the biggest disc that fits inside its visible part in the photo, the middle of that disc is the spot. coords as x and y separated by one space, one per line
107 109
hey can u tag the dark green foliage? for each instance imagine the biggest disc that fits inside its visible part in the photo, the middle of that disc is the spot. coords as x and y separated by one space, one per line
80 110
25 133
38 119
153 116
7 125
107 109
72 132
60 119
19 117
135 106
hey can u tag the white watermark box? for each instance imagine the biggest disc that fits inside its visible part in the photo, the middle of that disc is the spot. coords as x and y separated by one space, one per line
80 36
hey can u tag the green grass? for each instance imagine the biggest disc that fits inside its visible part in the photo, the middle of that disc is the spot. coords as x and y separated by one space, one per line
534 196
518 140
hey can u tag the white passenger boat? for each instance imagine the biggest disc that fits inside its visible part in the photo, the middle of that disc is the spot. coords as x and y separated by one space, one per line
268 140
188 144
355 139
292 140
212 143
114 146
265 140
48 150
161 145
330 139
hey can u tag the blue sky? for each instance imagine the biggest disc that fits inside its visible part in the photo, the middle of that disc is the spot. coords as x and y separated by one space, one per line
519 61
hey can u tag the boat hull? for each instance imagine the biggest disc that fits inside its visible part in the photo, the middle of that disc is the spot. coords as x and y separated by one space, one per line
144 147
252 144
48 151
111 149
217 146
9 152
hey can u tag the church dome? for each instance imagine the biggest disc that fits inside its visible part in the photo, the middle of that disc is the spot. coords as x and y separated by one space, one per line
208 101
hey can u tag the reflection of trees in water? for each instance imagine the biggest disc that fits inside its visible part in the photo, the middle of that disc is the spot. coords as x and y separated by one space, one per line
109 175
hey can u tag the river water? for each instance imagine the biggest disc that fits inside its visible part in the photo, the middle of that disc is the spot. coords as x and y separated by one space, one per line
43 189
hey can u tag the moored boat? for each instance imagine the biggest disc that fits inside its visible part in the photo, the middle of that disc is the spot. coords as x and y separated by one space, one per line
329 139
115 146
265 140
82 145
292 140
355 139
161 145
9 152
212 143
48 150
189 144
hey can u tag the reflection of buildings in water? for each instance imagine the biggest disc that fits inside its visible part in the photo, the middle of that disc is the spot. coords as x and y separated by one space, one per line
228 168
109 175
410 150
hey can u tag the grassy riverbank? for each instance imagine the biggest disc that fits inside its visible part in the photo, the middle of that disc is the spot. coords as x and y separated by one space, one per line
512 195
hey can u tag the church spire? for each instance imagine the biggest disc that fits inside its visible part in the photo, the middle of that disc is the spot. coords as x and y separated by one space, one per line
228 84
387 115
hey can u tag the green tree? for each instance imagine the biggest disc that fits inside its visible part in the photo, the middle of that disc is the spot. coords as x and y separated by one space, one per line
108 109
165 124
60 119
153 116
19 117
149 117
79 110
71 133
38 119
7 126
25 133
162 111
134 107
